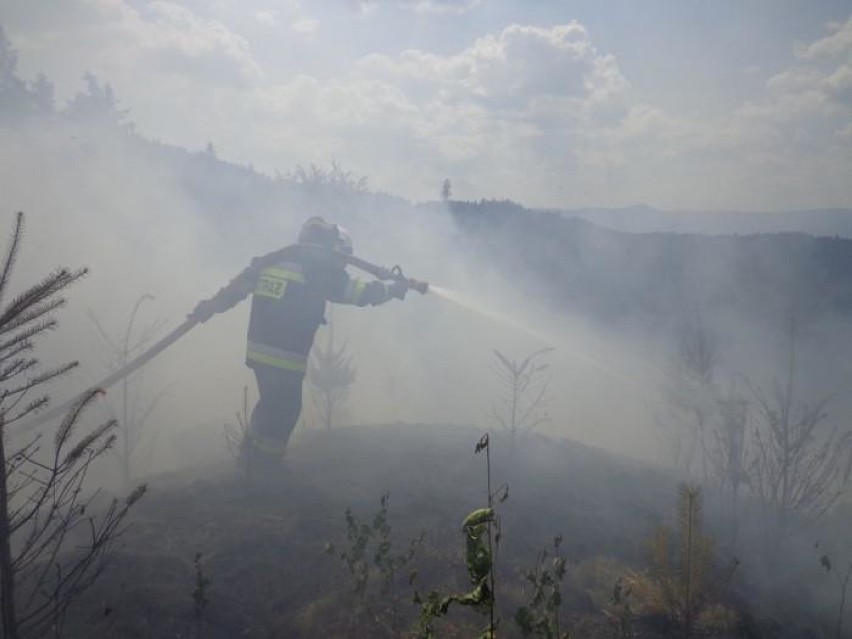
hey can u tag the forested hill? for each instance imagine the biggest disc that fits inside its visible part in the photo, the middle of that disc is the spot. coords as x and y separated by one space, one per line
614 275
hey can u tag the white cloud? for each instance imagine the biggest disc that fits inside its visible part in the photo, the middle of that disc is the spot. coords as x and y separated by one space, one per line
507 110
817 90
119 42
509 70
197 46
788 148
839 43
455 7
266 18
437 7
305 25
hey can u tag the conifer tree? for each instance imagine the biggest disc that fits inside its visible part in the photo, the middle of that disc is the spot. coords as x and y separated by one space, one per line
52 544
681 575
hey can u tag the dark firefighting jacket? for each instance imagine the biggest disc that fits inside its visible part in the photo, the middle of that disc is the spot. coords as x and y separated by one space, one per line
290 288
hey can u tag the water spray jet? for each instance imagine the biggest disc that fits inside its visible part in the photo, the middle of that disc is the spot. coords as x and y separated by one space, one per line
454 297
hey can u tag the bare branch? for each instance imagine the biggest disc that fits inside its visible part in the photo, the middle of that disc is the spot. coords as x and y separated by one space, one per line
520 408
12 253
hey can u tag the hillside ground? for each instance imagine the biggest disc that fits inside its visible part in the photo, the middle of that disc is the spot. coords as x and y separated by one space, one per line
210 554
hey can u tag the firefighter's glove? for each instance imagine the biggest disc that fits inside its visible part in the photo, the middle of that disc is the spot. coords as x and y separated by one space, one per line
204 310
398 289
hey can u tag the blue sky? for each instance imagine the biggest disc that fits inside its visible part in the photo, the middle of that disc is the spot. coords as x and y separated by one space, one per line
702 105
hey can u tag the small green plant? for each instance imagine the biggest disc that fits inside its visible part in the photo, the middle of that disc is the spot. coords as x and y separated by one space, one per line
235 435
481 530
331 374
372 566
202 583
843 584
681 581
479 561
540 617
134 406
620 612
801 467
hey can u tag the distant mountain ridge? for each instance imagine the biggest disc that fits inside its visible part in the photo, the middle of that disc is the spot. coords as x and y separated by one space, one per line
615 275
646 219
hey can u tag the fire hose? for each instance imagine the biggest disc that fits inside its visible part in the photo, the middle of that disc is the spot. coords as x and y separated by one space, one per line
382 273
379 272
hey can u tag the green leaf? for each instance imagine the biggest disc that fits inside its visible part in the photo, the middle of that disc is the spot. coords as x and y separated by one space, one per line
482 444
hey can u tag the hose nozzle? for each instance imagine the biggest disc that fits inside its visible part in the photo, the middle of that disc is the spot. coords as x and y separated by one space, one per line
418 285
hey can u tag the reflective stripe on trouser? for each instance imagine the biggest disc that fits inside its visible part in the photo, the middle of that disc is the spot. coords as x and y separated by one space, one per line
354 291
267 445
276 357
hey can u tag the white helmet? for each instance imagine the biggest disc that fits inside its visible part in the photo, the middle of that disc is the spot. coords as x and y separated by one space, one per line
344 241
321 233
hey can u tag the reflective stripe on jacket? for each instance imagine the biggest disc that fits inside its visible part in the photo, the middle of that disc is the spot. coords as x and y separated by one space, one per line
354 292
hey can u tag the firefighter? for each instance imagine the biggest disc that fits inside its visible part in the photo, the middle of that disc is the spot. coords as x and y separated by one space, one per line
290 288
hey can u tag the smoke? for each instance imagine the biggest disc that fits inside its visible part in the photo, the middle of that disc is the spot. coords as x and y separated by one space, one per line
434 355
108 201
152 219
91 201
